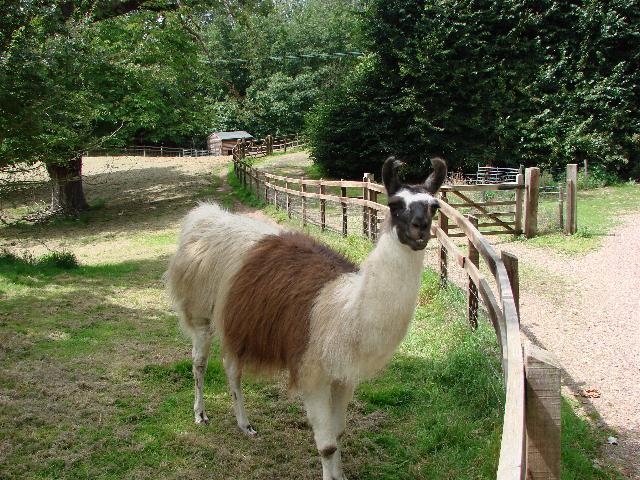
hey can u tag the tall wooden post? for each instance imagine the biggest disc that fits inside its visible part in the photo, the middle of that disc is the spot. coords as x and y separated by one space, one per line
269 141
343 194
571 226
443 223
303 188
472 289
323 208
373 216
519 202
586 174
511 265
560 208
531 191
365 210
542 416
287 198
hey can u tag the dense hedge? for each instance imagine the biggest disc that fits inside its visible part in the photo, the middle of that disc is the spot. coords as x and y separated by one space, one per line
506 83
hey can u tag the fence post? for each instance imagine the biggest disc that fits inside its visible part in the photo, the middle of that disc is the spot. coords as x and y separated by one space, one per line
257 184
365 210
572 211
511 265
472 289
303 188
343 194
586 174
287 198
275 193
323 208
519 202
269 140
560 207
444 225
373 216
542 416
266 190
531 190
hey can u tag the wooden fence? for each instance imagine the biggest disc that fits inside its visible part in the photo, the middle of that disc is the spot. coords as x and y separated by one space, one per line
147 151
266 146
530 443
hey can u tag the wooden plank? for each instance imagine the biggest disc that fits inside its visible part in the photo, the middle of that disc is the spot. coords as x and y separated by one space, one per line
511 264
487 233
495 224
519 203
542 413
532 187
472 289
485 204
483 210
572 210
480 187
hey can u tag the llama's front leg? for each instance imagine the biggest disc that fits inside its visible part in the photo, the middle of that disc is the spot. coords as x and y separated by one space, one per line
319 410
341 395
234 376
201 339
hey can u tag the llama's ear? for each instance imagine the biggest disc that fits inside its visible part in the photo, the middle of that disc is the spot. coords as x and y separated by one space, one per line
435 180
390 175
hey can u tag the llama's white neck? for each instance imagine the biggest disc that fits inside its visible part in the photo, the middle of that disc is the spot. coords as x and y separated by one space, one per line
362 317
387 289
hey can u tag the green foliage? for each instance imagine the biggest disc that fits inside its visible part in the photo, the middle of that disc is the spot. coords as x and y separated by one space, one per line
483 82
51 261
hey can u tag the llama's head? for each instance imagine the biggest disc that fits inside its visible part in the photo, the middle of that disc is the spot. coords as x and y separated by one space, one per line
412 207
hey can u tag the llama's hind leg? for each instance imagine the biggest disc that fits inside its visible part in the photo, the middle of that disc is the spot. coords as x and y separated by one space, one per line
234 376
201 338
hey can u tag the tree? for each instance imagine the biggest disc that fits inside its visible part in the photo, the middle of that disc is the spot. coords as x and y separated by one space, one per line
64 90
539 83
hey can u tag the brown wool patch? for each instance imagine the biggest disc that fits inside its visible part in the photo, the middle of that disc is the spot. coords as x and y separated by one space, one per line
268 310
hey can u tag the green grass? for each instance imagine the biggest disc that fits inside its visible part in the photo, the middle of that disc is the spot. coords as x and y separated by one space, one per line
599 211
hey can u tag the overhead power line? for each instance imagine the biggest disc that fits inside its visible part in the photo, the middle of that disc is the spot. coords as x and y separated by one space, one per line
302 56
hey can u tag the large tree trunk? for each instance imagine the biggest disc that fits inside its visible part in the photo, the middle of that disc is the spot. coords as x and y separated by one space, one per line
67 194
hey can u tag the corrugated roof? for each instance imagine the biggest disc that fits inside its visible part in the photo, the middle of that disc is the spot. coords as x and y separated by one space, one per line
232 135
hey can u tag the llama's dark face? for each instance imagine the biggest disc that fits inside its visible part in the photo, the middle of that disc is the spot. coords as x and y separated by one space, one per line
412 207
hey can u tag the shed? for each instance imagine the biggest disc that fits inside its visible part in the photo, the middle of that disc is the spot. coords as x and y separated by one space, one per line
221 143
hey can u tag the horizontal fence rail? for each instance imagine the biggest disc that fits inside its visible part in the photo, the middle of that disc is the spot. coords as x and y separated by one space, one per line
530 441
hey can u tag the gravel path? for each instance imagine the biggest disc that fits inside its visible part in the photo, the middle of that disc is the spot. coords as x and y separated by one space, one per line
586 310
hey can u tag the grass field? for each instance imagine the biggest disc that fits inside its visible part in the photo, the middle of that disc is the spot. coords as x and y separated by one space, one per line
96 379
599 210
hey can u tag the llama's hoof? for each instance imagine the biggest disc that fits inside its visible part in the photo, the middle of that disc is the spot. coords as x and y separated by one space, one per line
249 431
201 418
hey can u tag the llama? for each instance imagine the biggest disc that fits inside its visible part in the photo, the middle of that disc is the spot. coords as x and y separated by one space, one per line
280 300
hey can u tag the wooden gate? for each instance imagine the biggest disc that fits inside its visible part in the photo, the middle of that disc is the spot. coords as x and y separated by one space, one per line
496 216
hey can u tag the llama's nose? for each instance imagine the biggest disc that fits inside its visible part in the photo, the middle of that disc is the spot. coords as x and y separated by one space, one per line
419 223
